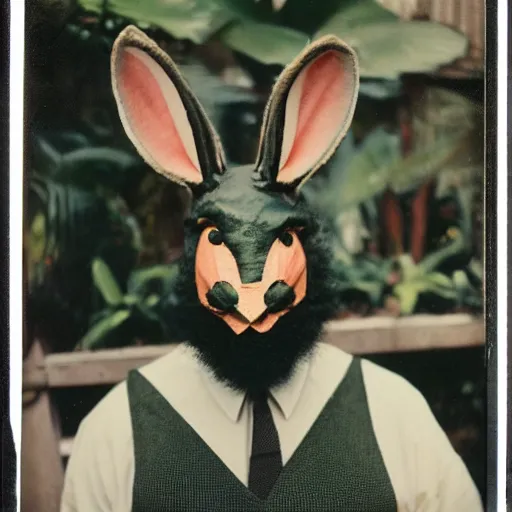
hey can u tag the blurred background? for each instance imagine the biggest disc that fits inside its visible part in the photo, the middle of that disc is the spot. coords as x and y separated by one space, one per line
403 194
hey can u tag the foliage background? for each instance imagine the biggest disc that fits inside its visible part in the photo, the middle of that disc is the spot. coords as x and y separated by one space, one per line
403 192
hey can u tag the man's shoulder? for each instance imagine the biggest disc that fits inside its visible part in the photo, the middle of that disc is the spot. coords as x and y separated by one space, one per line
381 380
385 380
396 403
389 387
113 410
111 413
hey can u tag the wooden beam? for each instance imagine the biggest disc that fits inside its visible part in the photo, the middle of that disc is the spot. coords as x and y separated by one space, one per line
419 332
90 368
42 473
356 336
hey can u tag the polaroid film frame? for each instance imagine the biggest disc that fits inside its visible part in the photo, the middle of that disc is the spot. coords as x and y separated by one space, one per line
496 240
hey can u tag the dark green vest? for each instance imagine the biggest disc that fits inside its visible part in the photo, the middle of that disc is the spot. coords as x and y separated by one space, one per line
337 467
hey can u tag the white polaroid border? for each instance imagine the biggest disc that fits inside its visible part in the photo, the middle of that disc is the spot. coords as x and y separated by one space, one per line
16 132
16 75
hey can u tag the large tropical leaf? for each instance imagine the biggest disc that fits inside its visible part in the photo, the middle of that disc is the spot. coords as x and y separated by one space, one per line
93 166
358 175
266 43
251 10
275 36
387 49
386 46
379 165
367 173
353 14
303 15
196 20
410 172
74 218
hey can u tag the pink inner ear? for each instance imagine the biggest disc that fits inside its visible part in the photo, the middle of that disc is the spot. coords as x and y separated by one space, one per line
323 105
150 120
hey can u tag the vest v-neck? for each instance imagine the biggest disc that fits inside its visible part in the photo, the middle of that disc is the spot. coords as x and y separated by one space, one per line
169 415
169 453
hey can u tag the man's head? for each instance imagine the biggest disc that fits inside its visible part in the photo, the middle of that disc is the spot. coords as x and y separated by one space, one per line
255 280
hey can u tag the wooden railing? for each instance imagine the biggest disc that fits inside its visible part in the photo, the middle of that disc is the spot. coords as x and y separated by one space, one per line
356 336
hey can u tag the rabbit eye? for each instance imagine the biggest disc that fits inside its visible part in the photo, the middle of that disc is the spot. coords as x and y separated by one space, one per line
204 222
215 237
286 238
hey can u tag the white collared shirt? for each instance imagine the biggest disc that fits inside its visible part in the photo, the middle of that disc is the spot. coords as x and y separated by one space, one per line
426 473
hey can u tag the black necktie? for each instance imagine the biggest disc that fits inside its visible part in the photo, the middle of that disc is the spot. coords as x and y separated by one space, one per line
265 463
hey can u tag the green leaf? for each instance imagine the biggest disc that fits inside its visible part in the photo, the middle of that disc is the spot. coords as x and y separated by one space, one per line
437 282
354 14
130 300
467 294
409 290
89 167
269 44
141 277
407 293
303 15
378 164
387 49
476 268
410 172
101 334
106 283
249 10
196 20
371 288
380 89
460 280
37 240
367 173
408 268
433 260
152 301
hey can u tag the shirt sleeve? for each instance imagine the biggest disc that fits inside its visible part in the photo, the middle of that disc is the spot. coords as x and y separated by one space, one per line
86 483
444 482
426 472
100 470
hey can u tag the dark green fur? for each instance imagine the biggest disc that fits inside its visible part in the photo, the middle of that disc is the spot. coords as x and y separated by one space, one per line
250 220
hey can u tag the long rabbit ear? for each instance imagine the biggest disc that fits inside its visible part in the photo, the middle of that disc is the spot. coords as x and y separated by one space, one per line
308 113
161 115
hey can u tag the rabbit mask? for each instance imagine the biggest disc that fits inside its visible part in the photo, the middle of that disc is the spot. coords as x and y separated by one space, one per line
246 222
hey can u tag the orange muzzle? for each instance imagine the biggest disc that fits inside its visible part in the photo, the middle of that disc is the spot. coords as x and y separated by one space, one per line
216 264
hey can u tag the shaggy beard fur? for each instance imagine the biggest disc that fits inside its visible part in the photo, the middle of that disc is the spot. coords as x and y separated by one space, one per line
252 362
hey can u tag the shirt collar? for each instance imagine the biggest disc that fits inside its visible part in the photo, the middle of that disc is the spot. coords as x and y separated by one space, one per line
286 396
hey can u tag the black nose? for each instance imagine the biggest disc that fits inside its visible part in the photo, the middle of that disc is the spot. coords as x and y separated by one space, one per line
279 296
222 296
